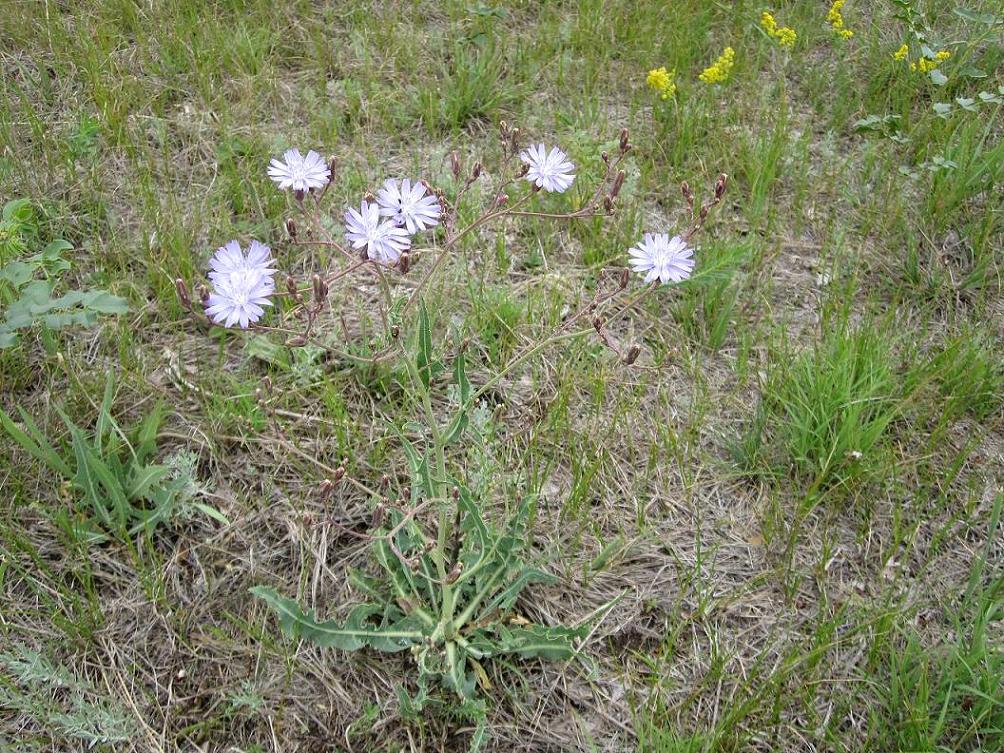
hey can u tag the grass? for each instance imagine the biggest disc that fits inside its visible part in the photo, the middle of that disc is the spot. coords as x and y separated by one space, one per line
794 494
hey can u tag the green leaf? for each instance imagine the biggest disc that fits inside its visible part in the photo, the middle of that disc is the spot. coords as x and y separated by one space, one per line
105 422
988 19
942 109
459 422
423 358
93 476
938 78
17 210
264 349
356 632
967 103
552 643
211 512
34 443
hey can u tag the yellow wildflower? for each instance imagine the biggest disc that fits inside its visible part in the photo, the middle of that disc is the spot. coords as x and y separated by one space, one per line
662 81
784 35
768 23
719 72
942 56
835 19
901 53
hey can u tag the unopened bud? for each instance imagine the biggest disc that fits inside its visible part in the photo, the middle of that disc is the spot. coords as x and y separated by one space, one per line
325 488
625 278
598 323
624 143
632 354
523 170
501 200
456 492
332 165
618 184
455 571
720 185
204 294
476 171
320 289
704 211
608 204
298 195
605 157
385 481
685 190
291 286
296 341
339 473
395 331
455 165
182 290
404 263
266 383
378 515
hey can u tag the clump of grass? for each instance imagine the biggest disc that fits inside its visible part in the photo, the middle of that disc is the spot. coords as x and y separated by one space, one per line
829 408
969 376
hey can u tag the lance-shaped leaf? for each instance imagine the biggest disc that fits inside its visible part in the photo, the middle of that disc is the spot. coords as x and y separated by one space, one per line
427 367
358 630
459 422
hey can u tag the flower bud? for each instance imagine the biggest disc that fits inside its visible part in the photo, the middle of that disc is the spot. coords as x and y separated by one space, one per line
476 171
625 145
598 323
370 198
720 185
204 294
291 286
605 157
404 263
320 288
455 165
296 341
501 199
339 473
625 278
325 488
632 354
395 331
378 515
182 290
608 204
298 195
618 184
332 165
291 228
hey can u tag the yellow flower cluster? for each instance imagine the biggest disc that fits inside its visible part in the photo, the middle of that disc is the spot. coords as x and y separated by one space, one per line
784 35
662 81
719 72
901 53
836 20
925 65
